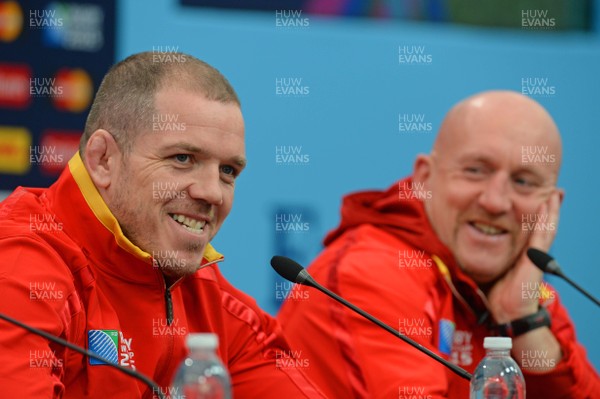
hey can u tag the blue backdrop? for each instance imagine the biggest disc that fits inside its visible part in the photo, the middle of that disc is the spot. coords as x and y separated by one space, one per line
350 87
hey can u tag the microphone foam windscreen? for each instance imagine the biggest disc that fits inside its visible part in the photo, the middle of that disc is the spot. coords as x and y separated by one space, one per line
539 258
286 267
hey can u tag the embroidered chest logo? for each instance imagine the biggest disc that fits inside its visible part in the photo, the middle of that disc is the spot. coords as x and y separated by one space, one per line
462 348
111 345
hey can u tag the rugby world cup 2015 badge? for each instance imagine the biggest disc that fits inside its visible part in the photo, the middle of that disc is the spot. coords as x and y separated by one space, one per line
446 336
104 343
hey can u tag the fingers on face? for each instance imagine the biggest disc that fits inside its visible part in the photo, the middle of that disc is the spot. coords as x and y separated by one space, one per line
547 224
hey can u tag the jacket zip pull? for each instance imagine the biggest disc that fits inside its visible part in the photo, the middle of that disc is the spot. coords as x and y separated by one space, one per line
169 304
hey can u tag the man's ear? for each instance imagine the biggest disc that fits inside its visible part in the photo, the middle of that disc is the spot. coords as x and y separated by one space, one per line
561 194
422 168
102 157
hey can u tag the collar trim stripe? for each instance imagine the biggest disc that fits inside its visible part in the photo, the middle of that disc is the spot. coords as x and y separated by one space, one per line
100 209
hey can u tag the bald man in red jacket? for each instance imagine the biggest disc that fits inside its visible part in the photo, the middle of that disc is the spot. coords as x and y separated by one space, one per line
441 257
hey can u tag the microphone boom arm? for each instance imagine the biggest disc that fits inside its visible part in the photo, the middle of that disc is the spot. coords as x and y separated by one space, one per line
580 289
308 280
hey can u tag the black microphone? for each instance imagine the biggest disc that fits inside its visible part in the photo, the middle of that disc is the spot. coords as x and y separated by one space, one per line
60 341
292 271
547 264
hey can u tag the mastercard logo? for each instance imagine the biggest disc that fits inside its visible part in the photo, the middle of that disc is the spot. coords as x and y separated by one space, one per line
15 85
76 90
15 142
57 147
11 20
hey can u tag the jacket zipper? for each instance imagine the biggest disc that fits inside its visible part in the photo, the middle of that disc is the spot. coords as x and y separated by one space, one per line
169 305
169 299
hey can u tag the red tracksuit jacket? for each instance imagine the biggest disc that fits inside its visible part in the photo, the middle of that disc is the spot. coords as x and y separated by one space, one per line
66 268
386 259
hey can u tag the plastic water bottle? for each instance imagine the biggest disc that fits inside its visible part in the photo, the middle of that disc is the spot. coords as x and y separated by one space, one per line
201 375
498 376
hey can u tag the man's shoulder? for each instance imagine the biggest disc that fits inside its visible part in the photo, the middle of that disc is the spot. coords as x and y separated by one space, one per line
31 235
365 247
18 209
28 252
367 237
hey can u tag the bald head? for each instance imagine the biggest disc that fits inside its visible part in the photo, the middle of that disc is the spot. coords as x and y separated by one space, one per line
500 117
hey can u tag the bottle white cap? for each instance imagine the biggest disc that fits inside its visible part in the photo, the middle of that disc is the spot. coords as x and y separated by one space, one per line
202 341
497 343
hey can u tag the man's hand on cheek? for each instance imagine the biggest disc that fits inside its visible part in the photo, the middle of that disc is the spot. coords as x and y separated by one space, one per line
517 293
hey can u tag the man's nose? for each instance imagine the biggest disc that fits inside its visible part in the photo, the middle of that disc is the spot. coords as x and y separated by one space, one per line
207 185
495 197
